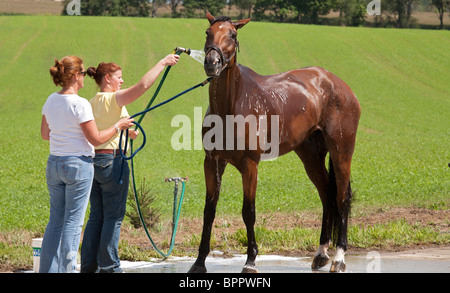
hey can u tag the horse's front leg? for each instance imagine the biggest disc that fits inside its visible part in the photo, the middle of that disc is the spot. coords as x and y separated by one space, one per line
249 180
214 169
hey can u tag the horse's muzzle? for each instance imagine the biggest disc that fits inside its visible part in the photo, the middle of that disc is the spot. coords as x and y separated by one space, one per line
213 63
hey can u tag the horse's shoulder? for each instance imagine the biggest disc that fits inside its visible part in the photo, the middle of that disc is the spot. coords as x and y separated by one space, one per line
247 71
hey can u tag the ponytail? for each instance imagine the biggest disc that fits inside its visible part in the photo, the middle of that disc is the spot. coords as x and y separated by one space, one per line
64 69
101 71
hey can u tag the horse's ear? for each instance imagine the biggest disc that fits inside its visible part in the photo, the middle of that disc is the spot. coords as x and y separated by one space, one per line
240 23
209 17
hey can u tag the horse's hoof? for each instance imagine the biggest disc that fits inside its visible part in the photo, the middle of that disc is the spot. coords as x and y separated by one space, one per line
319 261
249 270
338 266
196 269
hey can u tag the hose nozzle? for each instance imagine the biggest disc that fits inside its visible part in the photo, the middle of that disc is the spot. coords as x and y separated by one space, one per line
183 50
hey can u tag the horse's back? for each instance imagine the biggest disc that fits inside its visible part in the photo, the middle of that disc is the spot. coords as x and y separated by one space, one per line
313 79
326 82
312 86
331 92
306 99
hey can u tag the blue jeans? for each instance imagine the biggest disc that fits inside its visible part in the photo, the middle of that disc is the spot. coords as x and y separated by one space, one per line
99 250
69 180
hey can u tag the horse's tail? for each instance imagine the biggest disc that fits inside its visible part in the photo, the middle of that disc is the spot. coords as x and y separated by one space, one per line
338 214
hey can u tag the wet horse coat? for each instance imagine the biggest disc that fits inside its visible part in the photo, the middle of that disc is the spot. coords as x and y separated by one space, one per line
317 113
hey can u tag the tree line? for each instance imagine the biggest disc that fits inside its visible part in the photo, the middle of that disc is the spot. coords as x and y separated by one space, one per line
350 12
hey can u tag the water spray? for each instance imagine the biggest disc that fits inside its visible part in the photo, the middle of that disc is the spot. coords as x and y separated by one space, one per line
197 55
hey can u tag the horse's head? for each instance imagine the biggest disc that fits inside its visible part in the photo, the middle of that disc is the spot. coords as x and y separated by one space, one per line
221 43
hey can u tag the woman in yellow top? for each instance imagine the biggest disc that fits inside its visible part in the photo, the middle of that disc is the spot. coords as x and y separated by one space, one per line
99 250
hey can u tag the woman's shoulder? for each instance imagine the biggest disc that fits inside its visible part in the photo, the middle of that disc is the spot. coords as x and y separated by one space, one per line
103 97
57 98
54 95
49 102
57 102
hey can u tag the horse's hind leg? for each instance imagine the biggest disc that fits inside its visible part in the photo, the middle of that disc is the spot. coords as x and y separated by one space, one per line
214 169
340 164
312 152
343 202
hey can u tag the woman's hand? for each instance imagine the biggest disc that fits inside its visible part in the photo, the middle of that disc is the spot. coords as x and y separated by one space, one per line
170 60
133 133
125 123
96 137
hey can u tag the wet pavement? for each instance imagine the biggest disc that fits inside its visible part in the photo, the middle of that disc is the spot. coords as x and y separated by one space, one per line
372 262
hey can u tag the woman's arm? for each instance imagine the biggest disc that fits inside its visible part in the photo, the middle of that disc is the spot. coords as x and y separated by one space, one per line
129 95
96 137
45 130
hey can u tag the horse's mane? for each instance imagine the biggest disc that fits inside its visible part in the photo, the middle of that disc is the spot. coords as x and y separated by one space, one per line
221 18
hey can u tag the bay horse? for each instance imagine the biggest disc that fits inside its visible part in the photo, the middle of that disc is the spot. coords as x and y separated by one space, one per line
317 114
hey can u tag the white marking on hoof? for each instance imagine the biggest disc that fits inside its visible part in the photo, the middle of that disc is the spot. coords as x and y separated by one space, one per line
338 264
321 257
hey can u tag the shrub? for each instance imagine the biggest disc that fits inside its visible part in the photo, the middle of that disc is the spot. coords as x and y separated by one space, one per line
146 198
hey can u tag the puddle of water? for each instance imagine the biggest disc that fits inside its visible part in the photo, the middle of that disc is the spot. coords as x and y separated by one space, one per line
282 264
265 264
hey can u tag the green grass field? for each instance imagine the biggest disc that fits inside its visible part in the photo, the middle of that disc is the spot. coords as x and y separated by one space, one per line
401 78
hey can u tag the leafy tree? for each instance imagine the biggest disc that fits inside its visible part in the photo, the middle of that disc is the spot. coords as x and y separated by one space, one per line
173 7
308 11
155 5
272 10
402 9
441 6
213 6
244 6
351 12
